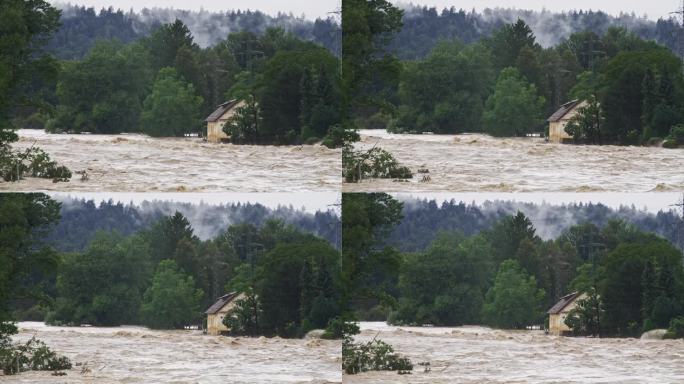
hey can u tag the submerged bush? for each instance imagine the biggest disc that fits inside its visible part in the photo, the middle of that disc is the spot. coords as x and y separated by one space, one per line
676 329
33 162
374 163
34 355
374 355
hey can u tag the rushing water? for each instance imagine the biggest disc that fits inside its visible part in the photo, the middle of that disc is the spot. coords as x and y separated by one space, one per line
140 355
483 355
134 162
476 162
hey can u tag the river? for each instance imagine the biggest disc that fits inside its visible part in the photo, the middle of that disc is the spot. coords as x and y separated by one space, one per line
141 355
139 163
474 354
481 163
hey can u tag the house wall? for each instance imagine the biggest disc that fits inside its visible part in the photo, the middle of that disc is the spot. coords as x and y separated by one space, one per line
557 325
215 321
215 132
557 132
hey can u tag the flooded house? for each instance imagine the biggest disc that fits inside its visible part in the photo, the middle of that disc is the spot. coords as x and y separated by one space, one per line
218 119
559 312
560 119
219 310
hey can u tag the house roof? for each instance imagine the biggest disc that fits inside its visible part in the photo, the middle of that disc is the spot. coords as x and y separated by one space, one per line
563 110
221 302
220 111
563 302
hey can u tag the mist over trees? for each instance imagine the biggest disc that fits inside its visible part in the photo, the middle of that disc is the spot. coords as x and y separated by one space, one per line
425 26
82 26
423 219
82 219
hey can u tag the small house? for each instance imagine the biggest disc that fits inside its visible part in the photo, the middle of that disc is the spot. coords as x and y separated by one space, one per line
218 119
219 310
559 312
560 119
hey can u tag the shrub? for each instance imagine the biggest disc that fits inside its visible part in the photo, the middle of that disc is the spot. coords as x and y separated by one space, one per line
374 163
676 329
34 355
374 355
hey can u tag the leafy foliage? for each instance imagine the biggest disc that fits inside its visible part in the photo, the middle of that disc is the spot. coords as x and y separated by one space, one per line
514 301
374 163
172 301
514 108
374 355
172 109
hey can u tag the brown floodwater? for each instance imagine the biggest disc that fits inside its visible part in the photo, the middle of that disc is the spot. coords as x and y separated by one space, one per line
140 355
139 163
476 354
477 162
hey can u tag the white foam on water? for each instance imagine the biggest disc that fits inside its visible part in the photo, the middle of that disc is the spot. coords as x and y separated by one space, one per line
140 355
139 163
475 354
482 163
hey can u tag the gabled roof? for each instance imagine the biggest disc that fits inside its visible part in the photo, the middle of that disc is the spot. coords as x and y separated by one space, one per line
221 302
563 110
563 302
220 111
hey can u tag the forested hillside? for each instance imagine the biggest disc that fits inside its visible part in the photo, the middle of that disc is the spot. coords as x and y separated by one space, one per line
507 273
425 26
424 219
82 26
82 219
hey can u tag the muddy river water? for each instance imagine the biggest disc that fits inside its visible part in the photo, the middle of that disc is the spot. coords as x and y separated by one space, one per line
483 355
140 355
476 162
139 163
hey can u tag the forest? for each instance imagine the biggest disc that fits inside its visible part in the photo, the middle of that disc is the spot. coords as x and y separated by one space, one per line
458 72
424 219
161 82
505 275
81 219
164 276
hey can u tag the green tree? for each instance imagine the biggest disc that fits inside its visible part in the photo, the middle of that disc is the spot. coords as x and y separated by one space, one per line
103 93
585 126
115 270
585 318
243 126
280 289
367 28
367 219
26 26
172 109
287 100
514 301
172 301
638 276
514 108
24 219
445 93
445 285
